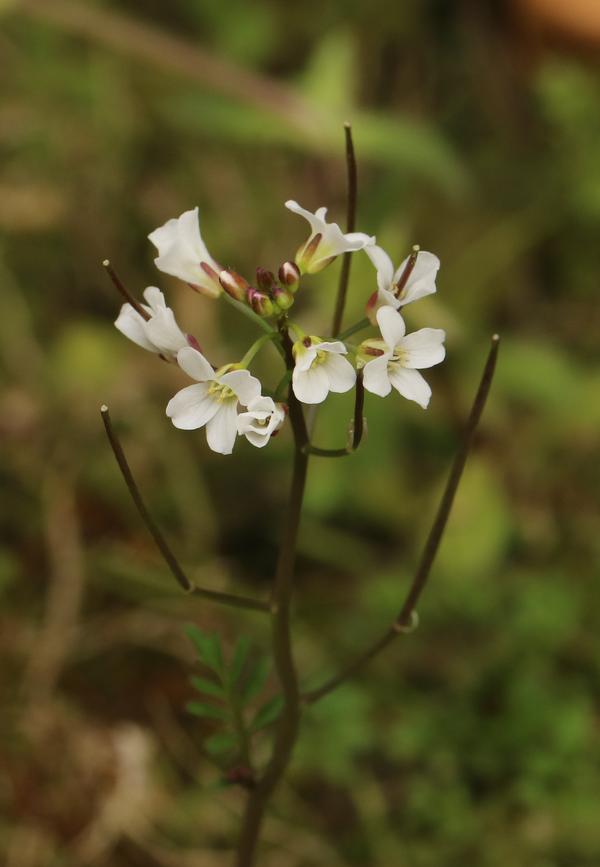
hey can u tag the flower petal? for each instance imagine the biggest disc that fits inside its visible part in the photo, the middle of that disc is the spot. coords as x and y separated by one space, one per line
410 384
332 346
422 279
342 375
375 376
245 386
391 325
310 386
191 407
316 220
383 264
164 332
132 325
181 251
304 355
221 430
154 298
195 364
423 348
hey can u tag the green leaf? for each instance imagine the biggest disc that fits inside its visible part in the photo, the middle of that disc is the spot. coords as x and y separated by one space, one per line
208 687
208 647
267 714
219 743
256 679
208 711
240 654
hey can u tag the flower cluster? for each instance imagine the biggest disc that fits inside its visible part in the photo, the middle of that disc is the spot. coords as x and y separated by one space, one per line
229 401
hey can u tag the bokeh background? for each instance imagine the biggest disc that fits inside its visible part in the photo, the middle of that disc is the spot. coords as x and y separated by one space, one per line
477 124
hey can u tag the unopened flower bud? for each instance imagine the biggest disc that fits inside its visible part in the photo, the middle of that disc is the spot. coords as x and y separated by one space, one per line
282 298
289 274
265 279
260 302
234 284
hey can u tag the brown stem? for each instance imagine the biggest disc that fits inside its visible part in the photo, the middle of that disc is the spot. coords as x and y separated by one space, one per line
161 543
340 302
287 727
359 402
404 621
122 290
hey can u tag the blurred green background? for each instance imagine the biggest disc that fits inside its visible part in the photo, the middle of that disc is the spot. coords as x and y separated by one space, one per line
473 741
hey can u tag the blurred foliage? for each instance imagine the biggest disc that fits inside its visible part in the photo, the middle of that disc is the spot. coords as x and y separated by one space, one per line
474 740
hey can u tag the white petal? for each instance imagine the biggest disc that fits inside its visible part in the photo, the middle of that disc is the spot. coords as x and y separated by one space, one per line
422 279
332 346
305 355
391 325
191 408
221 430
423 348
154 298
132 325
261 404
342 375
243 384
317 220
310 386
383 264
410 384
165 333
181 250
375 376
195 364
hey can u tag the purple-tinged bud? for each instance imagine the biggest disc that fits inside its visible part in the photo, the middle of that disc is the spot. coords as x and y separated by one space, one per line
265 279
193 342
234 284
289 274
282 298
260 302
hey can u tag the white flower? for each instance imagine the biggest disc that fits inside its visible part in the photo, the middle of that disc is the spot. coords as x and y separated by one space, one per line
399 356
213 401
320 368
419 270
326 240
262 419
159 333
182 253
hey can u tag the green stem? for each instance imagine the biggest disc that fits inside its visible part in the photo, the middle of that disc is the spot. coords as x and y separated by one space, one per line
161 543
257 346
405 621
250 314
358 427
340 302
358 326
288 723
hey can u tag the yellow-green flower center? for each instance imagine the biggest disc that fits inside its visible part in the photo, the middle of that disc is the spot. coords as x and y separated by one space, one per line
220 392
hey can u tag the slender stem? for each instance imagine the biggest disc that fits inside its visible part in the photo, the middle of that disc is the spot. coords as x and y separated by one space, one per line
247 311
350 225
404 622
161 543
357 432
287 726
358 326
257 346
122 290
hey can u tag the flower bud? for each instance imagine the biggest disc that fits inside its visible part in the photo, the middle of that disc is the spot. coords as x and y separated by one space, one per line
289 274
260 302
265 279
234 284
282 298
